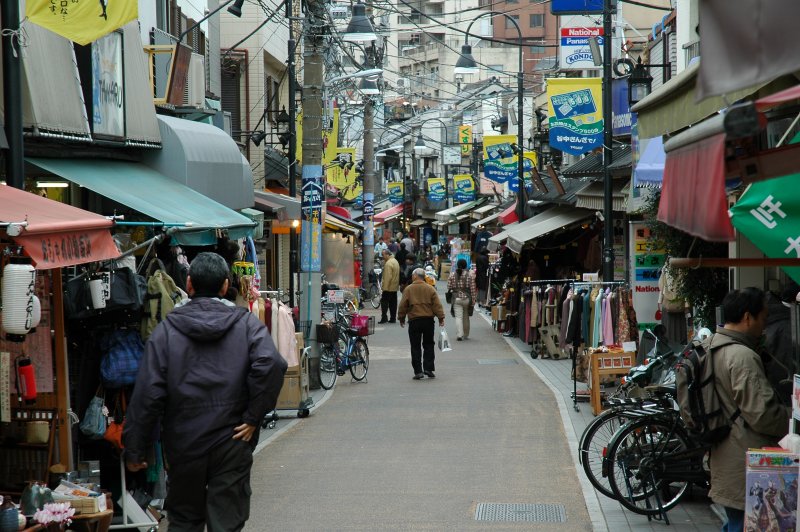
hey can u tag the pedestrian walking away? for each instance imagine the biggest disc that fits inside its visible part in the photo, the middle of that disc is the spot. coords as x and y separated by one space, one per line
465 293
421 305
391 284
209 374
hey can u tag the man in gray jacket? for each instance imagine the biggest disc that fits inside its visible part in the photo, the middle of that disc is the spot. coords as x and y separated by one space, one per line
209 374
742 384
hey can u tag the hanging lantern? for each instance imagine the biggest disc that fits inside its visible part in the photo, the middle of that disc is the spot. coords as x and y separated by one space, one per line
37 312
19 283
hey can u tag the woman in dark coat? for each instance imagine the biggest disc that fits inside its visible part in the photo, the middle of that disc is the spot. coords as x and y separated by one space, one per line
482 275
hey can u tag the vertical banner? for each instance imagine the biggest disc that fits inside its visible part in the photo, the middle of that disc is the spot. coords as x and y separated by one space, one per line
528 164
369 212
395 192
108 113
343 180
646 264
464 188
311 206
465 139
499 161
330 137
436 189
575 114
81 21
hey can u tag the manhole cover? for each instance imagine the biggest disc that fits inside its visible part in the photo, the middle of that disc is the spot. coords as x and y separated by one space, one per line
496 361
536 513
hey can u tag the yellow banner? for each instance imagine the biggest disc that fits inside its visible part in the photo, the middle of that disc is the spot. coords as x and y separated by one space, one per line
82 21
575 114
330 138
465 139
344 179
464 188
498 147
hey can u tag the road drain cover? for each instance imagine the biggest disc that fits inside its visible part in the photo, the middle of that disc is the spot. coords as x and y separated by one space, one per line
496 361
535 513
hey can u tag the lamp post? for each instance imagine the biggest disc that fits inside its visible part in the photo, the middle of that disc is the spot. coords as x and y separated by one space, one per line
466 64
608 189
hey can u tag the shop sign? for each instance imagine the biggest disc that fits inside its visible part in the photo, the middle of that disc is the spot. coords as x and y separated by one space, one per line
767 214
574 52
395 193
81 21
576 7
464 188
575 114
108 98
58 250
436 189
621 116
465 139
343 179
311 213
369 211
646 265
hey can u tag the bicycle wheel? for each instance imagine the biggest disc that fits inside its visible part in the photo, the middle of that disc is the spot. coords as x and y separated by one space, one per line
593 447
327 366
375 295
643 470
359 360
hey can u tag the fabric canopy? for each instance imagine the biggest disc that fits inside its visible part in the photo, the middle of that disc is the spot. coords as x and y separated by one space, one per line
345 225
56 234
693 197
544 223
142 189
284 207
495 241
649 171
451 214
388 214
768 102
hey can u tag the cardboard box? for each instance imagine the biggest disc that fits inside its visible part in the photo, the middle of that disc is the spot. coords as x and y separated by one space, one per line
498 313
295 387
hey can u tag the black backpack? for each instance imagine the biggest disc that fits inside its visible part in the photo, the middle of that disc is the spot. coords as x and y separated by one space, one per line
699 402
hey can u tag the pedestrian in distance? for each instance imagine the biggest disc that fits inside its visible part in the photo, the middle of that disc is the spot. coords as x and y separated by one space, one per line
208 376
743 388
482 275
402 254
390 284
465 292
421 305
409 242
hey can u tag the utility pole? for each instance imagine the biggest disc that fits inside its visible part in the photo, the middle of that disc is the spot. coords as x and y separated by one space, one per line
12 93
608 190
313 181
368 244
292 174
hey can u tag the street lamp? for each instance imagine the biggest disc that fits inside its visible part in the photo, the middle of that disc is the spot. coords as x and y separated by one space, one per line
639 83
368 87
466 64
359 29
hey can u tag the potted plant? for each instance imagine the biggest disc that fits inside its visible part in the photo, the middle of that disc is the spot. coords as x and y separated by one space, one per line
55 516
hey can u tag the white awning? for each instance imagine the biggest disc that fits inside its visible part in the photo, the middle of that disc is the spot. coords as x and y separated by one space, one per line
495 241
544 223
449 215
481 212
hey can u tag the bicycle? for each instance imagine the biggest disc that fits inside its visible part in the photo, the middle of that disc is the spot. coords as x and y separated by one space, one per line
348 349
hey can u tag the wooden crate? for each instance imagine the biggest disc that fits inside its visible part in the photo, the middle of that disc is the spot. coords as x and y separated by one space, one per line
611 363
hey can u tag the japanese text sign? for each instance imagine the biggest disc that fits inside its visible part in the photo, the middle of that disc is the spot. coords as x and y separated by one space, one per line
575 114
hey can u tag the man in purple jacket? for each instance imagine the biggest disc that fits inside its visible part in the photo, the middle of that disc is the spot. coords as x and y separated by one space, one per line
209 375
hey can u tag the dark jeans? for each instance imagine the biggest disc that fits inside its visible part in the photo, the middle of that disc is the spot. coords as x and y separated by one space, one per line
420 331
389 302
735 520
212 491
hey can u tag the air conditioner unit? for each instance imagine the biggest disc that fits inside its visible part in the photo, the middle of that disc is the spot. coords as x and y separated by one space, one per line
195 92
403 83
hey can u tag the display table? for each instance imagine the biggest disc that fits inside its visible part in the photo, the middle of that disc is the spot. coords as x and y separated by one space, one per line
98 522
611 363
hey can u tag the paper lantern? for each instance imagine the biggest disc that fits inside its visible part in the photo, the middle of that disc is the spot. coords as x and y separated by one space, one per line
19 283
37 312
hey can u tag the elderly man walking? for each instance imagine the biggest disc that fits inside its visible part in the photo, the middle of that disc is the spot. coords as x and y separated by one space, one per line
390 284
421 305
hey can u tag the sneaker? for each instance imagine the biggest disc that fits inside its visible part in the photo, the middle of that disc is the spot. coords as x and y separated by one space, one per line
430 374
459 338
418 376
384 321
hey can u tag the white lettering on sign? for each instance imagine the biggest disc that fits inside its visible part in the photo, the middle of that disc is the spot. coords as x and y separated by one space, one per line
765 211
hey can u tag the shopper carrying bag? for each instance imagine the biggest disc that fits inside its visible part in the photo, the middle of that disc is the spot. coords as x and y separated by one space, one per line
465 293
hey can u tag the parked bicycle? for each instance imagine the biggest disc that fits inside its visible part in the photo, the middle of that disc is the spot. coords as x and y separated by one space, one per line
375 289
343 344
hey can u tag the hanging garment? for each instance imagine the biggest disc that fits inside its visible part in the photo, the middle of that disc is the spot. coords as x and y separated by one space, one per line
623 325
585 327
597 332
287 342
615 314
608 327
253 257
562 337
574 330
275 323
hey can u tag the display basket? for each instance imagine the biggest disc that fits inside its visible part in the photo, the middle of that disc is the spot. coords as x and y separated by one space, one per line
326 333
304 327
362 325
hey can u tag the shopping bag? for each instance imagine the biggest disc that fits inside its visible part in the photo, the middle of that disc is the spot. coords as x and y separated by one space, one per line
444 341
95 420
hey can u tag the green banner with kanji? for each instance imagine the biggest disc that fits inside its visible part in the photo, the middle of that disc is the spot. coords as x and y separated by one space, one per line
768 214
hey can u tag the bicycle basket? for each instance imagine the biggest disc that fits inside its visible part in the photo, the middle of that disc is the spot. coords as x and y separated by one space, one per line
362 325
326 333
303 327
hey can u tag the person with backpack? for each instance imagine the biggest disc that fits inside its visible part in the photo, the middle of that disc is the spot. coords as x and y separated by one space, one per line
756 416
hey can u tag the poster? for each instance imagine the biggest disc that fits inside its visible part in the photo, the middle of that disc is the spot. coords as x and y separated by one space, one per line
311 214
575 114
395 193
344 180
771 490
369 212
436 189
465 139
108 100
81 21
646 265
464 187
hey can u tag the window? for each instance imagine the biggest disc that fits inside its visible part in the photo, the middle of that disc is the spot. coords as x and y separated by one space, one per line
536 20
509 24
538 50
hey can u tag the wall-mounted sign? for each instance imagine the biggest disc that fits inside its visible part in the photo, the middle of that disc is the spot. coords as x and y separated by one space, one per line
574 52
576 7
465 139
108 98
575 114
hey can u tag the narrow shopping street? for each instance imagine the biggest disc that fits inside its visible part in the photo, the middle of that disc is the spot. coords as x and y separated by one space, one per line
399 454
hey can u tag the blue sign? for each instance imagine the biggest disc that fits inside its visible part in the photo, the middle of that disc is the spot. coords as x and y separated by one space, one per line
369 211
513 184
575 103
621 117
576 7
465 191
436 189
311 215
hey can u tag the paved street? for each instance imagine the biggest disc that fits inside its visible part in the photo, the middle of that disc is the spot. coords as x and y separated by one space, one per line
399 454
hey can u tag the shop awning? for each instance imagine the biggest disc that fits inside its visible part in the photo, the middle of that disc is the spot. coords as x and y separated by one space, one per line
495 241
388 214
544 223
481 212
649 171
204 158
506 216
693 197
283 207
592 196
451 214
56 234
420 222
674 106
592 164
142 189
337 223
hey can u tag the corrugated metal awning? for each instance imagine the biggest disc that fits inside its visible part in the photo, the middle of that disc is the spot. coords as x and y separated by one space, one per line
543 224
448 215
592 196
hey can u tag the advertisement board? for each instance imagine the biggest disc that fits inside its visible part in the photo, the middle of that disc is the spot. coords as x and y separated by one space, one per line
574 52
646 264
311 214
108 96
575 114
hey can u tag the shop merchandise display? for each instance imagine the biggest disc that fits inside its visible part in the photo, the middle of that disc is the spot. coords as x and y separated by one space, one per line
771 490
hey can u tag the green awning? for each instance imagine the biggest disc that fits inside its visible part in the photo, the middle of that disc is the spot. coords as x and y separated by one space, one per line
141 188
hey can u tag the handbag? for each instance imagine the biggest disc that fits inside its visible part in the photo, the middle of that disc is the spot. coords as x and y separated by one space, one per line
95 420
448 296
127 292
113 433
123 350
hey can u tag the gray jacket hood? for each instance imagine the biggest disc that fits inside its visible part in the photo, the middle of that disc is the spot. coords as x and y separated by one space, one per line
205 318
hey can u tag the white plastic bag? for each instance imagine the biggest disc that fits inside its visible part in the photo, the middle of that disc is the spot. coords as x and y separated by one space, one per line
444 341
